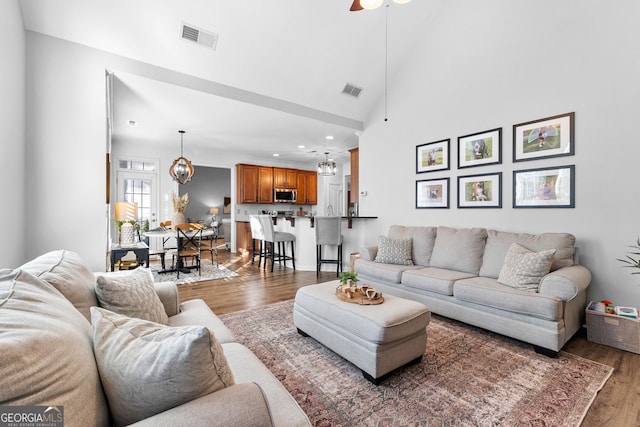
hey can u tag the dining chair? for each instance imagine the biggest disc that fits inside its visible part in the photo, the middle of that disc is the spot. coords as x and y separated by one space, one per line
328 233
271 237
189 238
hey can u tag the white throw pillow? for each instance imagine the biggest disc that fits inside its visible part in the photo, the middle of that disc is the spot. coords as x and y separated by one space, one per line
147 368
524 269
394 251
132 295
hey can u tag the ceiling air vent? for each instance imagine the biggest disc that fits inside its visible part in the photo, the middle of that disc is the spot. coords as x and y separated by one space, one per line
352 90
199 36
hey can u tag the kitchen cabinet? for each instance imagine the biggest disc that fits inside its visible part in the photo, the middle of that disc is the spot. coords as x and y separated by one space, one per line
243 236
355 180
285 178
307 188
254 184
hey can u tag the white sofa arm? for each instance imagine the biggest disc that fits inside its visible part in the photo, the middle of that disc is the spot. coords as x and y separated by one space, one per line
368 253
238 405
168 293
565 283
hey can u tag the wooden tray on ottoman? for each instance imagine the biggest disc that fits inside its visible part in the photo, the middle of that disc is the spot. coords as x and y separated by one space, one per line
358 297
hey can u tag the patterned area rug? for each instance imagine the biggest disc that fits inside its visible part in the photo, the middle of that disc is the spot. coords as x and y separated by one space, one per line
467 377
208 272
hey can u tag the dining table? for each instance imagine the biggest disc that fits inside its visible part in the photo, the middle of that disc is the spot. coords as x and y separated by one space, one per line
166 233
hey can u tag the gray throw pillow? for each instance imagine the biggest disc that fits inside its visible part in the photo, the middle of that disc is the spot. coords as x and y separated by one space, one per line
524 269
147 368
133 295
394 251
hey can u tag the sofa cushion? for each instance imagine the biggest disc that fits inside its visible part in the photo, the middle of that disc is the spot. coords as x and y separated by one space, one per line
432 279
499 242
147 368
423 239
132 295
488 292
394 251
69 274
387 273
47 353
459 249
524 269
197 312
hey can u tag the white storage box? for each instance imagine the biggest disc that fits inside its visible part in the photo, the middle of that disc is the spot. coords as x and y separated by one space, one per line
612 330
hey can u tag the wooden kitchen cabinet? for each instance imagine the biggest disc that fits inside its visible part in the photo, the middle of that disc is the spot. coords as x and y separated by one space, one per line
285 178
243 236
307 188
355 178
254 184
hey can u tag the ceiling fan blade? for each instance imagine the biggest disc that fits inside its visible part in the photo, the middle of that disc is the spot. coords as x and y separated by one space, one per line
356 6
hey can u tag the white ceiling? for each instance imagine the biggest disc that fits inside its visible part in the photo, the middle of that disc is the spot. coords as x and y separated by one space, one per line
274 80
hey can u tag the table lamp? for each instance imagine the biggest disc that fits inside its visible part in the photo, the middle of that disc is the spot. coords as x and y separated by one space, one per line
126 212
214 212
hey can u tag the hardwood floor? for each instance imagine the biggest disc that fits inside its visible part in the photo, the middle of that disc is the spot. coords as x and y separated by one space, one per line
617 404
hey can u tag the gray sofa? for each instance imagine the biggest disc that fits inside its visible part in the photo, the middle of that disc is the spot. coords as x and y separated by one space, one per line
50 354
455 272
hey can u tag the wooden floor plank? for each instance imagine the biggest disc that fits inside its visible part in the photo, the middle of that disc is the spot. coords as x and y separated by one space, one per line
617 404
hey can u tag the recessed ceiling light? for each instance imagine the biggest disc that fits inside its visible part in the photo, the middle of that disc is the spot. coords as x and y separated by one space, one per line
329 137
300 146
132 123
276 155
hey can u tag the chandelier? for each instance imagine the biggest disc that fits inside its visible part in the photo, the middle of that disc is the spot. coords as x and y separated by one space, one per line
326 168
181 170
371 4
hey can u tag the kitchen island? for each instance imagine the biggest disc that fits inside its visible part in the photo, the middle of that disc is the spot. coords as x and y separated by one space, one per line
302 227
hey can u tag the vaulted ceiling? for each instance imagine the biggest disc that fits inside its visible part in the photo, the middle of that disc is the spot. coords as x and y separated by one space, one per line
274 78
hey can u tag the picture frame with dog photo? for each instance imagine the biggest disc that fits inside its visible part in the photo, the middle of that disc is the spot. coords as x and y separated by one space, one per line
432 193
480 191
552 187
433 156
480 149
544 138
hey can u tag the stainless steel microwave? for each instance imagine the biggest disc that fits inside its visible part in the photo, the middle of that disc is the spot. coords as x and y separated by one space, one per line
284 195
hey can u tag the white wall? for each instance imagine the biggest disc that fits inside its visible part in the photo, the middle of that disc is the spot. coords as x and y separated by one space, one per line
12 128
495 63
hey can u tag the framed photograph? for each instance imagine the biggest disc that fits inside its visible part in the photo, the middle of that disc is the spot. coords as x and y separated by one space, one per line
226 207
550 137
479 149
432 193
433 156
552 187
480 191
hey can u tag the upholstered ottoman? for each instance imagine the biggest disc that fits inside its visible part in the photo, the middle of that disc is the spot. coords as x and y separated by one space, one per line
375 338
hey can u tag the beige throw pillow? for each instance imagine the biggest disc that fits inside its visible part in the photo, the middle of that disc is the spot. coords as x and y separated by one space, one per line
147 368
524 269
132 295
46 352
394 251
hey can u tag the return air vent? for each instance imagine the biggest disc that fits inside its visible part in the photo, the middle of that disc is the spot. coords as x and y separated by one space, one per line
352 90
199 36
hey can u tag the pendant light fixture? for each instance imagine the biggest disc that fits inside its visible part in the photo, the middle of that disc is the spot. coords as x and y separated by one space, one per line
327 168
371 4
181 170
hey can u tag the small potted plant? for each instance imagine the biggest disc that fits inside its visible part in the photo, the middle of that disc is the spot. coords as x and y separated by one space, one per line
348 278
630 261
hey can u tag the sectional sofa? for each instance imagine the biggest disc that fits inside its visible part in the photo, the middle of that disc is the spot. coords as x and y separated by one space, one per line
117 349
525 286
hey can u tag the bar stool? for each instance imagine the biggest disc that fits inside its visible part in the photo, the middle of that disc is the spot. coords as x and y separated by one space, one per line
328 233
257 233
271 237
